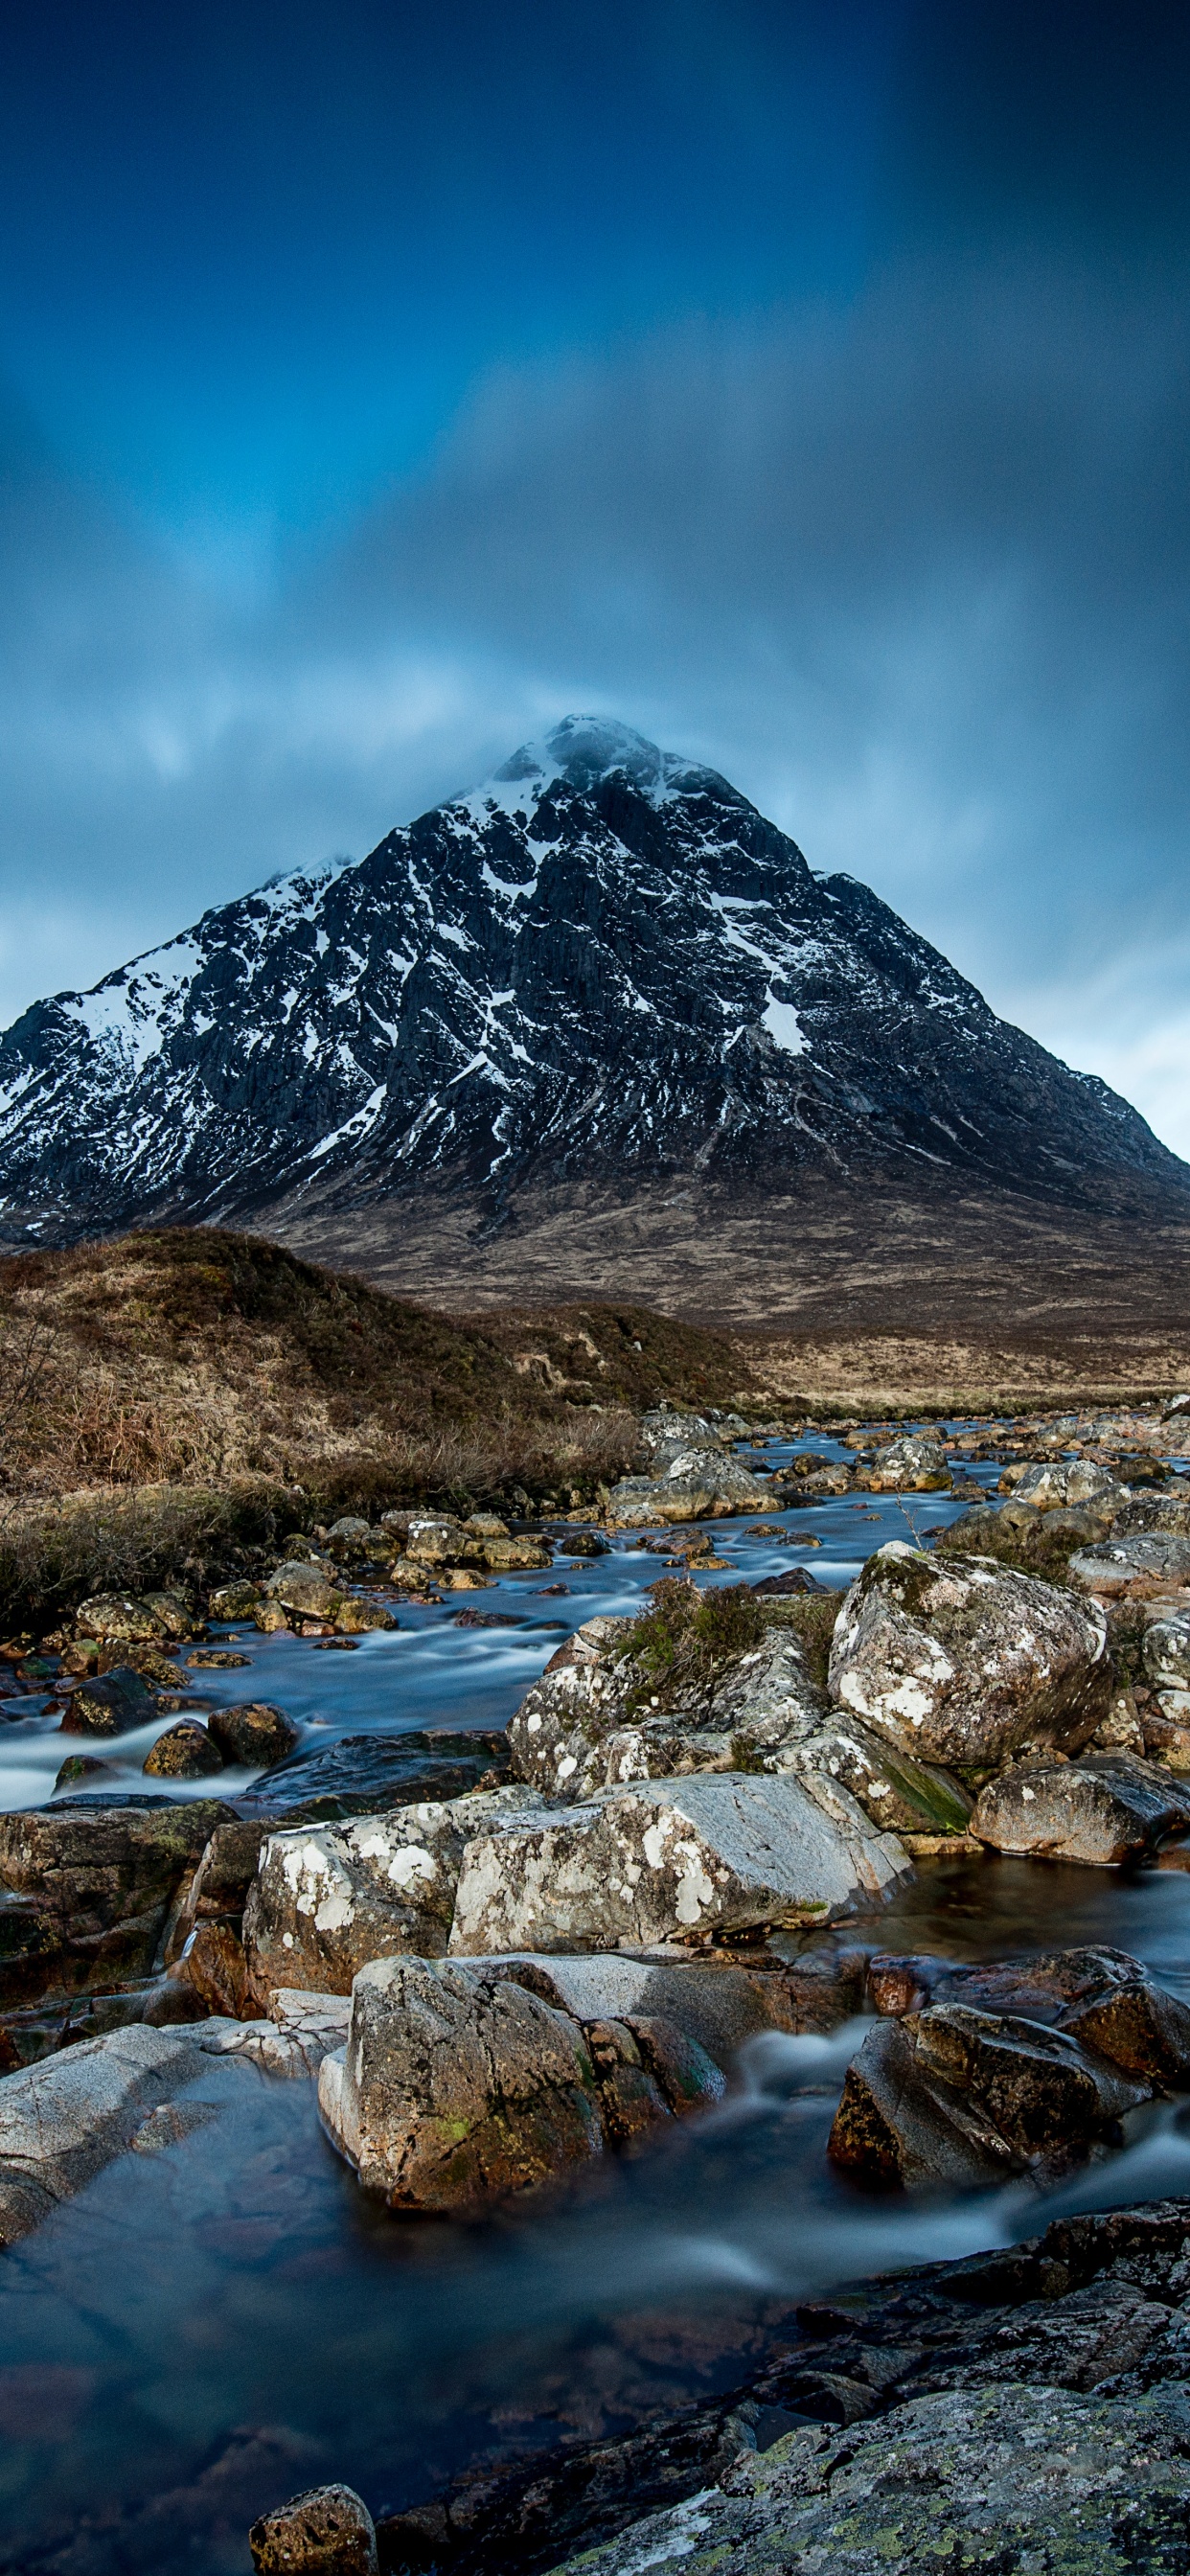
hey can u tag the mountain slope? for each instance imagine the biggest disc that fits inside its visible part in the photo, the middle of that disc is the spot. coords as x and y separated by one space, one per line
603 966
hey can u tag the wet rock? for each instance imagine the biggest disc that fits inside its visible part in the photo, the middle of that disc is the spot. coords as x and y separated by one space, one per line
117 1618
63 2120
1103 1808
630 2099
325 2531
897 1794
1053 1484
253 1734
305 1591
215 1659
351 1536
694 1484
1132 1566
97 1884
1013 2479
184 1752
716 1851
584 1543
359 1618
456 2086
112 1704
361 1774
79 1767
716 2008
918 1464
235 1600
1102 1997
215 1966
831 1479
219 1887
328 1898
956 2096
960 1661
515 1556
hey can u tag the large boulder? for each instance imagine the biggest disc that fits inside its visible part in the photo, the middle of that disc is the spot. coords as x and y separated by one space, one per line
1153 1561
90 1888
1103 1808
328 1898
457 2086
1060 1483
184 1751
716 2007
305 1591
713 1852
113 1703
1102 1997
961 1661
589 1722
956 2096
63 2120
917 1464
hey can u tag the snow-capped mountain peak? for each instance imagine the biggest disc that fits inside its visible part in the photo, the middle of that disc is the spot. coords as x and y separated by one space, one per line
602 962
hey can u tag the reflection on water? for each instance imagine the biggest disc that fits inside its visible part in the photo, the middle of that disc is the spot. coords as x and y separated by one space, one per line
204 2331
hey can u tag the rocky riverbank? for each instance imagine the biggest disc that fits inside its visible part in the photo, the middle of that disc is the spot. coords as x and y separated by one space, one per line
504 1957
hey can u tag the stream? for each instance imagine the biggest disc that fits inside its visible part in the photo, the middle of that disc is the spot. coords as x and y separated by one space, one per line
205 2330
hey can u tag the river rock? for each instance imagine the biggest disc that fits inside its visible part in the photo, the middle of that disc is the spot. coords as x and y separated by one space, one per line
93 1887
218 1890
716 1851
360 1774
328 1898
586 1725
238 1600
1054 1484
1166 1652
959 2097
305 1590
917 1464
1104 1808
325 2531
1143 1510
183 1752
715 2007
116 1618
62 2120
457 2086
1151 1562
112 1704
253 1734
1103 1997
960 1661
214 1964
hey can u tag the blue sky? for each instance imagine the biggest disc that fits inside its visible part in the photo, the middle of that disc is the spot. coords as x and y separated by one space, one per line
806 385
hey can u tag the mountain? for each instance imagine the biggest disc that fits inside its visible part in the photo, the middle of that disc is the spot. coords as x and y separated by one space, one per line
603 970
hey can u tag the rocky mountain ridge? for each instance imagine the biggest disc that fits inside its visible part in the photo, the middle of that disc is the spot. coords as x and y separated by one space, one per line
604 963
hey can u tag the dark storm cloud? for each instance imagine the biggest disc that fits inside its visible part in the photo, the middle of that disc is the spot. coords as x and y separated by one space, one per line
904 550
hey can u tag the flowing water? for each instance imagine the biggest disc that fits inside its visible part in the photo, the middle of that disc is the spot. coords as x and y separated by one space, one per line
203 2331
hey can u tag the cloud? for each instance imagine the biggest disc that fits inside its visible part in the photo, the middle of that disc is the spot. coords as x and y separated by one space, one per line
913 573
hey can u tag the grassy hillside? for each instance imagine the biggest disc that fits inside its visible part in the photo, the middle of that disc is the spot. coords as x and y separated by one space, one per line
202 1357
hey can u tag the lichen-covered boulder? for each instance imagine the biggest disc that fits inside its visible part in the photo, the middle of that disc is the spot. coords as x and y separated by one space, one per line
1121 1567
457 2086
1103 1809
952 2095
1058 1484
715 1851
115 1618
961 1661
694 1484
917 1464
329 1898
592 1721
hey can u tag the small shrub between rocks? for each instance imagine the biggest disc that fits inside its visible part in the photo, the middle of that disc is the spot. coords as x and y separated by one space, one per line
687 1636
